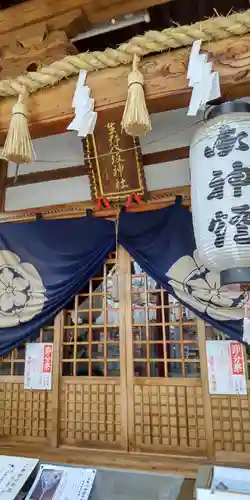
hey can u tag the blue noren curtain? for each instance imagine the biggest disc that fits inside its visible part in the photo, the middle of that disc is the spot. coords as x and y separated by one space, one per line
162 243
43 265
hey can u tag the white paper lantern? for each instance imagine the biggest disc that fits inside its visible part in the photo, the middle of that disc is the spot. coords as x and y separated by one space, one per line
220 188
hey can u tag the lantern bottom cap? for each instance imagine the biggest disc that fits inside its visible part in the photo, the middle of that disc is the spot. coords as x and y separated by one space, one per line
235 275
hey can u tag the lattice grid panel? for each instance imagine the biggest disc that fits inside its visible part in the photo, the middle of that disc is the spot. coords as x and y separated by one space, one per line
13 363
231 423
90 413
169 416
91 344
165 340
24 413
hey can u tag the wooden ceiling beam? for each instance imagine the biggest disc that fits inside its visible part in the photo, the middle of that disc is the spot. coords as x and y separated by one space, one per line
156 199
165 86
95 11
72 23
166 156
47 175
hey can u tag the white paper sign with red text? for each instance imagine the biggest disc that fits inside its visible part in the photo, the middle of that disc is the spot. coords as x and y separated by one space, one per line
38 366
226 367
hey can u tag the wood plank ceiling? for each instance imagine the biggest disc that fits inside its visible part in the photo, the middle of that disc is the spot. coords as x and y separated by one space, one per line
162 15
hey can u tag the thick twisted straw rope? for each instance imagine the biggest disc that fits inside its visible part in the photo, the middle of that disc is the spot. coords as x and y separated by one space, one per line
216 28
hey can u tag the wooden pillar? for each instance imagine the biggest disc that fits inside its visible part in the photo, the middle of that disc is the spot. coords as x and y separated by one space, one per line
57 348
205 388
3 181
126 341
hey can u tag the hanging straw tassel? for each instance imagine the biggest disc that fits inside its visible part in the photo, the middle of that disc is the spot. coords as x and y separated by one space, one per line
136 119
18 146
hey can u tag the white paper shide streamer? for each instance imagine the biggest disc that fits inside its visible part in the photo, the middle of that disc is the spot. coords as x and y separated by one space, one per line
204 81
85 116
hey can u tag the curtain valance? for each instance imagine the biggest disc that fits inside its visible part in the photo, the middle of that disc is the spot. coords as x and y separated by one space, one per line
45 263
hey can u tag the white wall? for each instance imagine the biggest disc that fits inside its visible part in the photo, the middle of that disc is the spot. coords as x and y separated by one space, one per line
171 129
167 175
49 193
59 151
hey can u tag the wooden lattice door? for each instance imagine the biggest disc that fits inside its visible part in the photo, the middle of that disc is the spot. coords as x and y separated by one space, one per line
24 415
129 373
230 421
126 371
92 397
166 403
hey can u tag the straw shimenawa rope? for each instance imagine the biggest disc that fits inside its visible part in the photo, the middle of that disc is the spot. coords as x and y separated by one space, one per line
217 28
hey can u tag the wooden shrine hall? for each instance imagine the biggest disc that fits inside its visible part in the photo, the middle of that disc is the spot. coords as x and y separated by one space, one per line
130 384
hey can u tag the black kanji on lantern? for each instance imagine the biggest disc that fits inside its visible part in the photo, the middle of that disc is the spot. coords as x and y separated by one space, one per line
241 220
218 226
226 140
237 178
217 185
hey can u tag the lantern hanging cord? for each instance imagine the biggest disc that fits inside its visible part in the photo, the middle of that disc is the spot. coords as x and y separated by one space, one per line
216 28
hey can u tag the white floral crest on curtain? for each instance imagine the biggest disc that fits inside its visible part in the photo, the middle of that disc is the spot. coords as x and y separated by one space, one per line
22 294
200 288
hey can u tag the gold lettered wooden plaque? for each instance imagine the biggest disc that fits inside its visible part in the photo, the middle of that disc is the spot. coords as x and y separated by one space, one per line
115 163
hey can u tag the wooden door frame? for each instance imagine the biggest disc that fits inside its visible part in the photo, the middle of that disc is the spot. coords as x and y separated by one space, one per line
123 259
56 379
63 382
130 380
127 334
205 388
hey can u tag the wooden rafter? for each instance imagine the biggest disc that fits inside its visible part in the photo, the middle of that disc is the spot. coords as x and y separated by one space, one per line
166 87
47 175
166 156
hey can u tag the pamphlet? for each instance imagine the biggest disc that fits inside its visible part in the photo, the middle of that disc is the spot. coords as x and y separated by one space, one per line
55 482
231 479
14 472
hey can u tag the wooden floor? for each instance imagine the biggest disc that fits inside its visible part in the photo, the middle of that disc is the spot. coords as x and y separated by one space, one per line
185 466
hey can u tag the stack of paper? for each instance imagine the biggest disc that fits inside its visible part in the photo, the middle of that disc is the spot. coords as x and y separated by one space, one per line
14 473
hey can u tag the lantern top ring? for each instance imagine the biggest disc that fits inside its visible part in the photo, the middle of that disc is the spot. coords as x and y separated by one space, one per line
228 107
